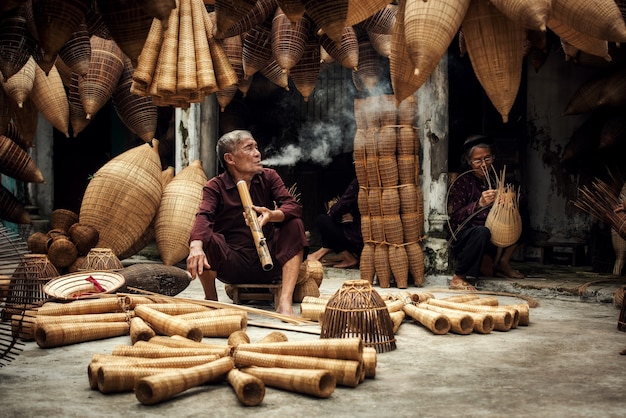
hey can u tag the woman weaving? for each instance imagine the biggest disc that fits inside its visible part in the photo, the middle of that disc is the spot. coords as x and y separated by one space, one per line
472 196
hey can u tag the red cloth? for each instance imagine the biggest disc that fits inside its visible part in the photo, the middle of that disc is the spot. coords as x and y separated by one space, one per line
226 238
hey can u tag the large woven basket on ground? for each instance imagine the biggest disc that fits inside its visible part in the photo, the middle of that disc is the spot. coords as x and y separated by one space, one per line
177 211
123 197
357 310
83 284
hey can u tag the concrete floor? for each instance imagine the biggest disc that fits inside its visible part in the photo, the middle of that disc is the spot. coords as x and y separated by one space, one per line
566 363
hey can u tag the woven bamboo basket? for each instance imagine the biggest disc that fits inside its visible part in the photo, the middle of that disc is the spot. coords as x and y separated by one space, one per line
176 213
360 118
151 390
359 144
362 203
260 11
273 337
275 74
581 41
392 225
15 162
410 226
38 243
399 262
366 264
368 10
123 197
388 171
18 43
390 199
85 237
319 383
460 322
304 74
205 74
371 65
49 97
621 320
103 259
407 112
432 25
381 265
85 306
387 113
12 209
346 52
381 43
348 348
386 143
78 115
105 69
407 141
361 170
408 198
366 227
381 20
257 48
63 219
293 9
156 278
62 252
375 201
502 319
227 14
329 16
238 337
138 113
357 310
76 52
416 262
233 49
598 19
116 378
250 390
377 228
224 72
371 171
167 324
10 129
25 119
55 22
186 79
531 15
20 85
82 285
164 80
404 81
504 220
288 39
495 46
146 62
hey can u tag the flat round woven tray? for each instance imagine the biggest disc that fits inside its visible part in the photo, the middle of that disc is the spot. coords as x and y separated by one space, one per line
83 285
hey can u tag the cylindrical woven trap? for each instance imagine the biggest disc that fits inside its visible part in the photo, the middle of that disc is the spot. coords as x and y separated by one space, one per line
357 310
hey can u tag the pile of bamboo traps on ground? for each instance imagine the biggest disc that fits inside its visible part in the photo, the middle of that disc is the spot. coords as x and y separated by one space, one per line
164 366
182 62
459 314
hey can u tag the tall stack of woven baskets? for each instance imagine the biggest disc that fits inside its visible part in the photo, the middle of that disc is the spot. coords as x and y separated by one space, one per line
390 200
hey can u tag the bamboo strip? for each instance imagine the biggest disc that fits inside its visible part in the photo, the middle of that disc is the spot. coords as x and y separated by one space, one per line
250 390
319 383
154 389
436 322
347 372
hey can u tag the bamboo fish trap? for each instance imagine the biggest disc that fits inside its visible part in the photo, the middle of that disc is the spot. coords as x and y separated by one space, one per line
504 220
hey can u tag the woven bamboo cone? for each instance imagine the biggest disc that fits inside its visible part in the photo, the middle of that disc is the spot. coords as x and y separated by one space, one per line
140 330
273 337
186 66
205 73
503 320
144 72
238 337
57 335
335 348
168 324
122 378
347 372
220 326
166 76
156 351
224 73
370 360
154 389
397 317
250 390
319 383
482 323
436 322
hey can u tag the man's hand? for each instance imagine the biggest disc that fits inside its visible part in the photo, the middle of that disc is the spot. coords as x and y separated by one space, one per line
196 260
266 215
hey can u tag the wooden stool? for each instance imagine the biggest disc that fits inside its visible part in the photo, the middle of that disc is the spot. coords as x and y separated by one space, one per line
547 252
252 292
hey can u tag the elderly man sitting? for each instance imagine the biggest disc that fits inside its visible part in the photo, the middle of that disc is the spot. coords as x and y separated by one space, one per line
221 243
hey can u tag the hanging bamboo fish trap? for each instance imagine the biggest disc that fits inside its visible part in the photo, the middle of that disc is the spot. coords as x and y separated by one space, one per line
346 52
529 14
76 52
329 16
288 39
598 19
262 10
357 310
257 48
78 116
579 40
17 44
19 86
304 74
49 97
404 81
26 119
11 208
381 21
17 163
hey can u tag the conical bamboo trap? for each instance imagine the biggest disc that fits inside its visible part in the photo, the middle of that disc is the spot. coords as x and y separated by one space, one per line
504 220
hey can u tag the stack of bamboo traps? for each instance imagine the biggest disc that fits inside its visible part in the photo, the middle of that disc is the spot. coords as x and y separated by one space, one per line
460 314
182 62
386 159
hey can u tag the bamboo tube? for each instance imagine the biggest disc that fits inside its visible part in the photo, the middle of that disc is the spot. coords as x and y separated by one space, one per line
397 317
462 298
103 317
370 361
164 362
154 389
487 301
483 322
179 309
319 383
57 335
524 313
394 305
23 326
134 300
436 322
220 326
250 390
156 351
179 341
238 337
503 320
140 330
460 322
212 313
312 311
315 300
85 306
273 337
347 372
122 378
168 324
146 63
334 348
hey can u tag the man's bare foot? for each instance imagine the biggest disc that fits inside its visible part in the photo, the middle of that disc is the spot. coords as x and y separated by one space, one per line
288 311
459 283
